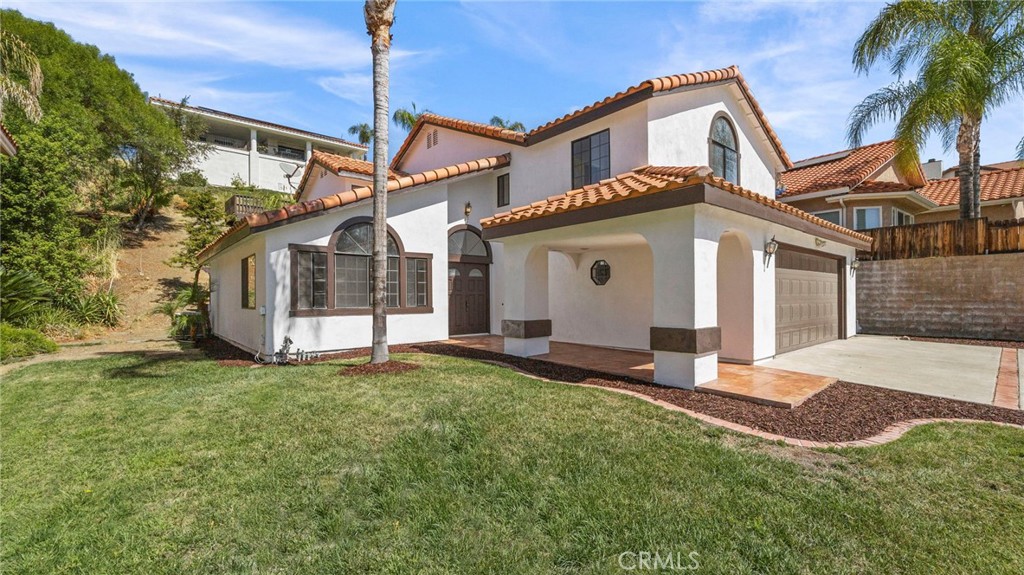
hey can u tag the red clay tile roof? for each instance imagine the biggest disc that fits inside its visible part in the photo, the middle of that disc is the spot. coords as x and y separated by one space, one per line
254 222
7 135
227 115
335 164
850 168
645 181
1000 185
642 90
877 187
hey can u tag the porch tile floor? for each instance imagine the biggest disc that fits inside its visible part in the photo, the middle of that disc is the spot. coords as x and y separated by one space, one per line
754 383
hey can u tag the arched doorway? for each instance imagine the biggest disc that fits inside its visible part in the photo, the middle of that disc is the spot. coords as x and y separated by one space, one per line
469 259
736 297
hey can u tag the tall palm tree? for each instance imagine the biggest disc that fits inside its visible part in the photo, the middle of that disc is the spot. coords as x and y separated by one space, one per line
971 60
363 132
380 15
21 77
507 124
407 118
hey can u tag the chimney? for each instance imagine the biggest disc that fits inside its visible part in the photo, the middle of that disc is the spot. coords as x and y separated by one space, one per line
932 169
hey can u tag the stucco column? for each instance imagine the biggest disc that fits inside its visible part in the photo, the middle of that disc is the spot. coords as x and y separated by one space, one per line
685 337
254 159
526 325
309 150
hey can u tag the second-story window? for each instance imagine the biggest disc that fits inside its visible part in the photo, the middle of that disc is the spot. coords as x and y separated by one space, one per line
503 191
591 159
724 156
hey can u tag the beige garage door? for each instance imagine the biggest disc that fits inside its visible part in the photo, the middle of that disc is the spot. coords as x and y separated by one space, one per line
806 300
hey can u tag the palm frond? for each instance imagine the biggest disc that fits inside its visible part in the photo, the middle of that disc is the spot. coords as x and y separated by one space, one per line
902 27
13 92
887 103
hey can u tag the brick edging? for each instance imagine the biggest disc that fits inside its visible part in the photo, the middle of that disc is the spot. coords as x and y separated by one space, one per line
1007 391
889 434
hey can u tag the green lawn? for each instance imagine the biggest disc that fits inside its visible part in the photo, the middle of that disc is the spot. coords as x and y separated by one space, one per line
129 465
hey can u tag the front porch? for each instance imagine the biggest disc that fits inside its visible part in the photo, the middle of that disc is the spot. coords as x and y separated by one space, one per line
764 385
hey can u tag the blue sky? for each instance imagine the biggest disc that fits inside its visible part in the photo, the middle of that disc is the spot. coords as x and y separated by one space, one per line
307 64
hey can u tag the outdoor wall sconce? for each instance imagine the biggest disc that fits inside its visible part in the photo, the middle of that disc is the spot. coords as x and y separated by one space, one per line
468 209
600 272
818 242
853 266
770 247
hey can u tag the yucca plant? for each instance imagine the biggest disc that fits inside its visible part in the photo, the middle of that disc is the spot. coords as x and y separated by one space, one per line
22 295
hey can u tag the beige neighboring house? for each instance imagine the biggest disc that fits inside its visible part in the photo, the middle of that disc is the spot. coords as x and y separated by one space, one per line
8 147
862 188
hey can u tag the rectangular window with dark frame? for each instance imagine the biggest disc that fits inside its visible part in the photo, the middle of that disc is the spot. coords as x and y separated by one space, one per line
312 280
353 281
504 197
591 159
416 282
249 282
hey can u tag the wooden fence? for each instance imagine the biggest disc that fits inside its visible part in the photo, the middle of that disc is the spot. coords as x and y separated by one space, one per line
241 206
942 239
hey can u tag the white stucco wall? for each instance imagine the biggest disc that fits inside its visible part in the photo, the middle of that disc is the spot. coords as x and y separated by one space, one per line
617 314
545 169
223 163
331 183
679 126
452 148
230 322
272 177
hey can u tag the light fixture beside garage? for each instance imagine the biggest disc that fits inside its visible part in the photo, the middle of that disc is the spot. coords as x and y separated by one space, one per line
770 247
853 266
600 272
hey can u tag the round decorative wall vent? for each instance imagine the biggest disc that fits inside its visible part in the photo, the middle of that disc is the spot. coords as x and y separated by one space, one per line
600 272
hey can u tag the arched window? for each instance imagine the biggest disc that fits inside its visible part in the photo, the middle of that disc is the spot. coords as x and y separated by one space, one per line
353 265
466 245
348 259
724 154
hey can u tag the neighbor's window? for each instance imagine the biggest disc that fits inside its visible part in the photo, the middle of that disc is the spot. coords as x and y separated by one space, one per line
249 282
724 155
312 280
901 218
591 159
867 218
353 265
503 191
833 216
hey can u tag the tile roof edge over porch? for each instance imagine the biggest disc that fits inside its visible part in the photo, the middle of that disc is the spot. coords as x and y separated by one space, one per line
254 223
691 185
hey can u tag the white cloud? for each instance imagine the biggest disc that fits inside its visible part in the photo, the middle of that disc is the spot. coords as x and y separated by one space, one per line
357 88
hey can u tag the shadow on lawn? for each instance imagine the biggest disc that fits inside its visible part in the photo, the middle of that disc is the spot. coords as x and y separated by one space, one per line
146 361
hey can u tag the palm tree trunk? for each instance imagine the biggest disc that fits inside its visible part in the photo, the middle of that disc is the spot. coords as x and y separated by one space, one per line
976 172
379 15
965 146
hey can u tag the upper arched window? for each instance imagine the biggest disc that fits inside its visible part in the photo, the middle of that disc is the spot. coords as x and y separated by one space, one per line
353 265
466 245
724 154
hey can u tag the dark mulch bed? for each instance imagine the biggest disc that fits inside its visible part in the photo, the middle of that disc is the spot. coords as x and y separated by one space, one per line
963 341
842 412
387 367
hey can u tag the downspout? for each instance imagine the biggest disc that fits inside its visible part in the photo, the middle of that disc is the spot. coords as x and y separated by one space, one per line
842 212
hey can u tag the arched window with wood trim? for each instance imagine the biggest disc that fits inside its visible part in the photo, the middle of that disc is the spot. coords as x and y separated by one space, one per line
723 151
337 279
465 244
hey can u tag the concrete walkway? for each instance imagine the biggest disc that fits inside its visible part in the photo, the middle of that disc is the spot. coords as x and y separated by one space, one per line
965 372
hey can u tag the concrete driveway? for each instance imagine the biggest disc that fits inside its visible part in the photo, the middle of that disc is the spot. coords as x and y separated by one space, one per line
966 372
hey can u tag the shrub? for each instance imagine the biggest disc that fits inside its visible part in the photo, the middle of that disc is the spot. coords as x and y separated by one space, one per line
21 342
56 323
22 295
98 308
192 179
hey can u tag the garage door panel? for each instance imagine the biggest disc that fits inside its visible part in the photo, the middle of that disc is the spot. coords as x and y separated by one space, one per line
806 300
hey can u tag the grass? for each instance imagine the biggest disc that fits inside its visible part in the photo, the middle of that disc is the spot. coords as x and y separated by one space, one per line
162 465
16 342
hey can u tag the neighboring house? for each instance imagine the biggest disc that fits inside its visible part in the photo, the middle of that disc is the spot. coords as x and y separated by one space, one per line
8 147
644 221
985 168
261 154
862 188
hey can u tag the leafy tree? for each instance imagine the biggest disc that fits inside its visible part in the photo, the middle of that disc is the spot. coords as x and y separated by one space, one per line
363 132
500 122
406 118
205 222
21 77
380 15
971 60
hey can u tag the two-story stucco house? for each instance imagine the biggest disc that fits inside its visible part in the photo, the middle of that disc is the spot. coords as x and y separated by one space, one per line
259 153
645 221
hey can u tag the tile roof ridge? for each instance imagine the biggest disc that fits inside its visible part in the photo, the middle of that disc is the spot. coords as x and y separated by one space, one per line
853 149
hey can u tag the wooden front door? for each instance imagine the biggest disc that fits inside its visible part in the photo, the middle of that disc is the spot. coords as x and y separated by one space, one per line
468 297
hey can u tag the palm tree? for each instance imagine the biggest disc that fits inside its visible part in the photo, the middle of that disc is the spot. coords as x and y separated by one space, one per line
21 77
379 15
405 118
500 122
363 132
971 57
